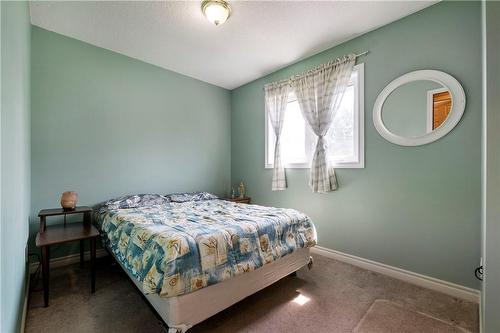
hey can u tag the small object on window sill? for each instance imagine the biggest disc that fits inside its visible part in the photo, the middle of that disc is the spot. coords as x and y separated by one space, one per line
244 200
233 193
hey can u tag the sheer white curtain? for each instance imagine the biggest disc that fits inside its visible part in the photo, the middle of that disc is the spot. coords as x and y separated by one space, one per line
319 93
276 102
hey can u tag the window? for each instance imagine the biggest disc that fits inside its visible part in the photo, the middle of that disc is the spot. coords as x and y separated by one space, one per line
345 139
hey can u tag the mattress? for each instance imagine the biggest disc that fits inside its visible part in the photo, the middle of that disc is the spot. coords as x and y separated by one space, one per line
173 249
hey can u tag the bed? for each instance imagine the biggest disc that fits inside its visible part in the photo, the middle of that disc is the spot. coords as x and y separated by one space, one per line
193 255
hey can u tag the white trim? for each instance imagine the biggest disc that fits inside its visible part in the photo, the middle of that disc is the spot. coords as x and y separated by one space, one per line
267 164
359 86
430 107
69 259
361 117
421 280
25 304
456 112
481 317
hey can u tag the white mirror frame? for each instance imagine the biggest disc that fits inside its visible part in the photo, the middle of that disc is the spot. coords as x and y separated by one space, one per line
457 107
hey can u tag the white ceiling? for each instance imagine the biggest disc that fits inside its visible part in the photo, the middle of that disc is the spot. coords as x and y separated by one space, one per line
259 37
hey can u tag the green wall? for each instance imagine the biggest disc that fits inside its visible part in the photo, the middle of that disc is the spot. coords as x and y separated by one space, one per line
491 168
106 125
15 160
417 208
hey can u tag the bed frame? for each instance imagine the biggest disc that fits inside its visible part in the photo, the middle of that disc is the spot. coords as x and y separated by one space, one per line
180 313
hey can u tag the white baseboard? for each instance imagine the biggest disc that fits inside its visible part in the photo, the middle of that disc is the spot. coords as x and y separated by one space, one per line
428 282
70 259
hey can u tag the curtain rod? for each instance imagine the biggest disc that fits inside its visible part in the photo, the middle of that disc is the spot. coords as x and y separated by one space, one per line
356 55
361 54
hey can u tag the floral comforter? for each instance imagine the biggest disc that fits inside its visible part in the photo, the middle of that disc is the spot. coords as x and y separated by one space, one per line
177 248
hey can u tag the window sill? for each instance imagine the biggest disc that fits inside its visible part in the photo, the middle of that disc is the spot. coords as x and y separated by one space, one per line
308 166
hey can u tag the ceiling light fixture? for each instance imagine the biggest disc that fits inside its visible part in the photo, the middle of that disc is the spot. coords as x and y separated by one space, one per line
216 11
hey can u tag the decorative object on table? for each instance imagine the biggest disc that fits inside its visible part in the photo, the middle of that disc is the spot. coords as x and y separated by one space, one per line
242 190
245 200
69 200
63 233
233 193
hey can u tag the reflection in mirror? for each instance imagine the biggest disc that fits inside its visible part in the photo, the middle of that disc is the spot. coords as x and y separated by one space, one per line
416 108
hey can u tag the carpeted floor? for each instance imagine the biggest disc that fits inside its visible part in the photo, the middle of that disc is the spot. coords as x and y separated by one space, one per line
332 297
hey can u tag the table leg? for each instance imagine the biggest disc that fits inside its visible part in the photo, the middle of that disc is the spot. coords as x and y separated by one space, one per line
87 218
45 272
81 252
92 262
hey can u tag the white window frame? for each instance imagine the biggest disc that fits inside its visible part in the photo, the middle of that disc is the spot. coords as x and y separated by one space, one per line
359 103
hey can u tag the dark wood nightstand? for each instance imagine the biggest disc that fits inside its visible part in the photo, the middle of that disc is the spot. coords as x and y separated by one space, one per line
245 200
63 233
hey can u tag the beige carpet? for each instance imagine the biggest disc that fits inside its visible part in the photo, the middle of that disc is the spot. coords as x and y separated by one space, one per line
385 316
332 297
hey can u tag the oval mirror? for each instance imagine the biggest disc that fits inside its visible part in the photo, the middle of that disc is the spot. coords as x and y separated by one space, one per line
419 107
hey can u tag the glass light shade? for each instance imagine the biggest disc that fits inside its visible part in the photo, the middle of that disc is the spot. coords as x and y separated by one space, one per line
216 11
